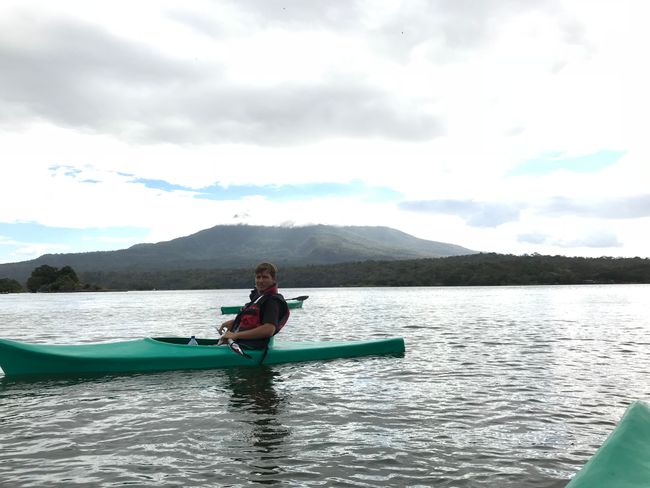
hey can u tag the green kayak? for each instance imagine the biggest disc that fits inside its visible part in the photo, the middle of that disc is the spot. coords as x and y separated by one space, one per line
623 461
19 359
236 308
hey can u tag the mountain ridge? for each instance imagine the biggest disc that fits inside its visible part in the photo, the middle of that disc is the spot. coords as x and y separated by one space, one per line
239 246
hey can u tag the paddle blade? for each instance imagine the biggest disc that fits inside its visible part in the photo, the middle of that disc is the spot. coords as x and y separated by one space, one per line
236 348
301 298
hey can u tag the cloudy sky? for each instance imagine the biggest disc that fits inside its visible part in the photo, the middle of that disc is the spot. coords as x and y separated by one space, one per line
499 125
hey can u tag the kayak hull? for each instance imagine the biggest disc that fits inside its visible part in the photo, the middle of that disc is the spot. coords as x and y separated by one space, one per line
18 359
623 460
235 309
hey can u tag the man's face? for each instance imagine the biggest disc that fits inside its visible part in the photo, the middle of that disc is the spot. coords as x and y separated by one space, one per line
263 281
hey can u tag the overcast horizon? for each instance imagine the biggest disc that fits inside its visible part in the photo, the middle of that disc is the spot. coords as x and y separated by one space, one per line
499 126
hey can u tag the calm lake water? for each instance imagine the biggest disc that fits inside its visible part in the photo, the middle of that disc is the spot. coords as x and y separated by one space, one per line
499 387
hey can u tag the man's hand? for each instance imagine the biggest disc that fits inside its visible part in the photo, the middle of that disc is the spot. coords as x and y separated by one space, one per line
225 326
228 335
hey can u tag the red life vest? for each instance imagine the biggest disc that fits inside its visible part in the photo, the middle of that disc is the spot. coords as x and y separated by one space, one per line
250 316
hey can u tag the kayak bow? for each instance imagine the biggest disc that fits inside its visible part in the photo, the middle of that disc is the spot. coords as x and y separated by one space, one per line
19 359
623 460
234 309
291 302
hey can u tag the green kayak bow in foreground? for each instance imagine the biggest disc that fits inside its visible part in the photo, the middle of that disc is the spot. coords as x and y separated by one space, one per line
623 461
18 359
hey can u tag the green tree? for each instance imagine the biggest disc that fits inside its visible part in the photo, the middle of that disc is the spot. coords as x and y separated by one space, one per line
41 277
47 278
69 272
8 285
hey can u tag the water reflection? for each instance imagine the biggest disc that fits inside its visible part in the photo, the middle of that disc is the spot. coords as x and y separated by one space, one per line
254 395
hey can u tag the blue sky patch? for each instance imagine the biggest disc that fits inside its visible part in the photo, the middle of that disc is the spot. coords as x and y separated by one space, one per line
551 162
287 193
160 185
282 193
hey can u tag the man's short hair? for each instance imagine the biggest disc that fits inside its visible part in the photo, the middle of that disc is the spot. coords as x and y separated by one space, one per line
268 267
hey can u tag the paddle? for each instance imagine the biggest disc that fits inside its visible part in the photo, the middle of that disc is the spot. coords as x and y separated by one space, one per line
301 298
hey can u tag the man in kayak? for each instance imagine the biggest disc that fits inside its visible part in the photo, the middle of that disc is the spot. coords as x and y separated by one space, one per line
263 316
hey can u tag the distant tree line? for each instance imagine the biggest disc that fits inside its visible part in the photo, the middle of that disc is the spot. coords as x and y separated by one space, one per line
485 269
471 270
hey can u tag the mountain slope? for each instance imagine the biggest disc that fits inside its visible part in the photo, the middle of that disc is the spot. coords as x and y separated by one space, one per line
236 246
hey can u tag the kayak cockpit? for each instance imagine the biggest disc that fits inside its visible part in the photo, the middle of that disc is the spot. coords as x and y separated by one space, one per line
201 342
185 340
